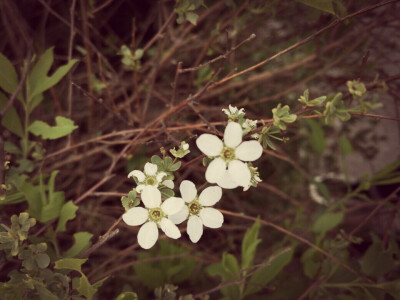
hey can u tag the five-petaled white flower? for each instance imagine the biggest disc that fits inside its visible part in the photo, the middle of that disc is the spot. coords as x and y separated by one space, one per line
198 210
150 177
154 215
227 169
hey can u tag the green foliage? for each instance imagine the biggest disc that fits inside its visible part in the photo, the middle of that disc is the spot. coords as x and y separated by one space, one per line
34 257
13 237
64 126
310 103
182 151
316 137
185 9
130 201
35 280
38 81
377 260
326 222
175 270
166 165
335 108
81 244
282 116
266 136
67 213
333 7
268 270
168 292
11 119
322 5
345 146
127 296
8 75
242 281
356 88
82 284
129 60
44 202
249 245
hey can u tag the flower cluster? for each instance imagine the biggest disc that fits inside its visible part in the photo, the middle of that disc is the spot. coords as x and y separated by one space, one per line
230 167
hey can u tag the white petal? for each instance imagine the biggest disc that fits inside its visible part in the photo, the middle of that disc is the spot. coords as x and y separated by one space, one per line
135 216
249 151
210 196
233 135
151 197
194 228
138 174
150 169
140 188
180 216
148 235
170 228
215 170
172 205
168 183
209 144
211 217
239 173
160 176
226 182
188 190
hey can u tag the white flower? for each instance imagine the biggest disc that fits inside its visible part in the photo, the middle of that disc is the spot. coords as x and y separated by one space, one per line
249 124
150 177
154 216
198 210
255 177
228 169
233 112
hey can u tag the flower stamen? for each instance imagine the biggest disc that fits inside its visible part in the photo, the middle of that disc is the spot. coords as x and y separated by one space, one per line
156 214
194 207
228 154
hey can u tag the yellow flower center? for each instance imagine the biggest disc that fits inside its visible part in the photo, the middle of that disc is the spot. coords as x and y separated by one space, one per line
151 180
228 154
194 207
156 214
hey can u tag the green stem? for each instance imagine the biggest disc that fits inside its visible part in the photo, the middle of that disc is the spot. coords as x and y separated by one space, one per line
26 133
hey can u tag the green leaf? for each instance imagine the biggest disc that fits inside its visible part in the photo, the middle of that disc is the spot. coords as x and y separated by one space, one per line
35 102
42 260
81 244
322 5
386 171
192 17
74 264
85 288
64 126
155 159
327 222
127 296
11 148
249 245
377 260
392 287
11 119
230 264
38 81
8 75
68 212
345 145
272 268
317 138
311 260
